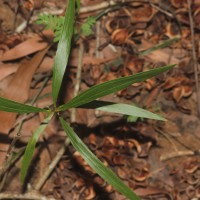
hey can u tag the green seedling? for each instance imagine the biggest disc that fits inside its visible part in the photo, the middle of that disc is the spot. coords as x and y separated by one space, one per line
87 100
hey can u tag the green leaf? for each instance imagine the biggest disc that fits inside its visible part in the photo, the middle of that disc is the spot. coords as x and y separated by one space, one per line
78 5
159 46
122 109
31 146
12 106
63 51
109 87
86 28
106 173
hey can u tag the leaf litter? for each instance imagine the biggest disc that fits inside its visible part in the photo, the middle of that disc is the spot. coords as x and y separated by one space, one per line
151 157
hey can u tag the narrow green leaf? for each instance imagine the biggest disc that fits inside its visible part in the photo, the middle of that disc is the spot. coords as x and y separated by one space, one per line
78 5
112 86
12 106
31 146
124 109
160 46
63 50
106 173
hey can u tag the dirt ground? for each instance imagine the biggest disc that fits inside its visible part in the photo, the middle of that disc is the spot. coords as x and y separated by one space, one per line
158 160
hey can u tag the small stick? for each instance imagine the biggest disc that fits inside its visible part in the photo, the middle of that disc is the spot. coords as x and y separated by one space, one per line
27 196
167 137
177 154
194 57
97 39
78 79
51 167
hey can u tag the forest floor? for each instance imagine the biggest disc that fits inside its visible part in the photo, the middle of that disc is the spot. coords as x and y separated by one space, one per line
158 160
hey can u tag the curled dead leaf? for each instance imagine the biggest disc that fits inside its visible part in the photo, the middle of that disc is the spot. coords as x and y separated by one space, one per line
179 3
144 13
29 5
177 94
142 176
79 183
93 141
181 91
122 173
136 144
108 188
170 83
187 91
89 193
150 84
190 191
119 160
82 162
192 166
119 36
172 30
135 65
145 150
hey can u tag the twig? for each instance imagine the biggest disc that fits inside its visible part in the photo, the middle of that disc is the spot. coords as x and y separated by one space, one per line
27 196
51 167
97 39
78 80
167 137
177 154
161 10
194 57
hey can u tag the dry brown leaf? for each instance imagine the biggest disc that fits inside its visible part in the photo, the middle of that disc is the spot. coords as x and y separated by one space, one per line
119 36
90 193
181 91
149 191
7 69
18 90
160 55
177 94
46 65
27 47
171 82
144 13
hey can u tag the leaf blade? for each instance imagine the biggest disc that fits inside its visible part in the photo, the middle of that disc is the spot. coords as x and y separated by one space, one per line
31 146
106 173
121 108
13 106
63 51
166 43
109 87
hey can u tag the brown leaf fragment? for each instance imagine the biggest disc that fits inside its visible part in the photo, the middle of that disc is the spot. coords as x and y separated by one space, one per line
119 36
192 166
181 91
89 193
145 150
149 191
144 13
142 176
179 3
27 47
177 94
18 90
7 69
170 83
